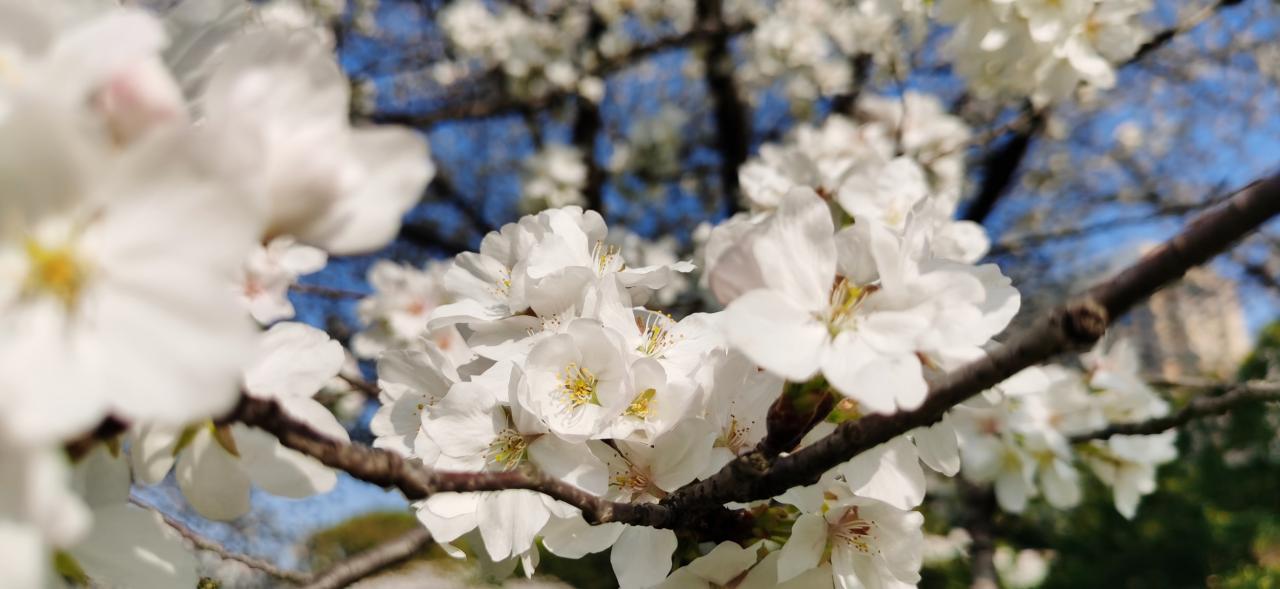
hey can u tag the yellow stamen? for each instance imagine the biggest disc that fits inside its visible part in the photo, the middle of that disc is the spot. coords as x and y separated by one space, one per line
658 336
53 271
853 530
642 406
846 297
607 258
508 450
579 386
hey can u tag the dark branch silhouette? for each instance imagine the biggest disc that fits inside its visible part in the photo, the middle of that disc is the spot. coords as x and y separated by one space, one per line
731 115
1208 406
371 561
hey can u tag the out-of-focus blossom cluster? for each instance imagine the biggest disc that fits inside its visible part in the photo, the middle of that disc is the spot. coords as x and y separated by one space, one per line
1041 49
654 146
553 177
898 159
546 47
395 316
158 194
1019 439
810 46
536 53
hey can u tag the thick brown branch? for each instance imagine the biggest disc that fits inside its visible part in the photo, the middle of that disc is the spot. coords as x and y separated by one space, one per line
371 561
1076 324
390 470
1241 394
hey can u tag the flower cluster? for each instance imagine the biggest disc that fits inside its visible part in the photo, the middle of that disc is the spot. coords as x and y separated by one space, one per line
536 55
1041 49
1019 439
895 155
553 46
395 315
573 377
154 204
809 46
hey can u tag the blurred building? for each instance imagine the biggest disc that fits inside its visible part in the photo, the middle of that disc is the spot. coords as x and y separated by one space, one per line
1193 328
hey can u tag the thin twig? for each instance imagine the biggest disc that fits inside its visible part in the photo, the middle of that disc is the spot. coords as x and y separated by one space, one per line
1163 38
1000 168
369 389
1015 242
327 291
371 561
204 543
1240 394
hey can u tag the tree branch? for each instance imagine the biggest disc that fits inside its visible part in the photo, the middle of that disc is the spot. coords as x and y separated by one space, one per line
732 118
1163 38
206 544
981 501
1076 324
424 236
1000 167
1259 272
1240 394
327 291
505 104
447 192
390 470
371 561
586 125
1016 242
847 102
